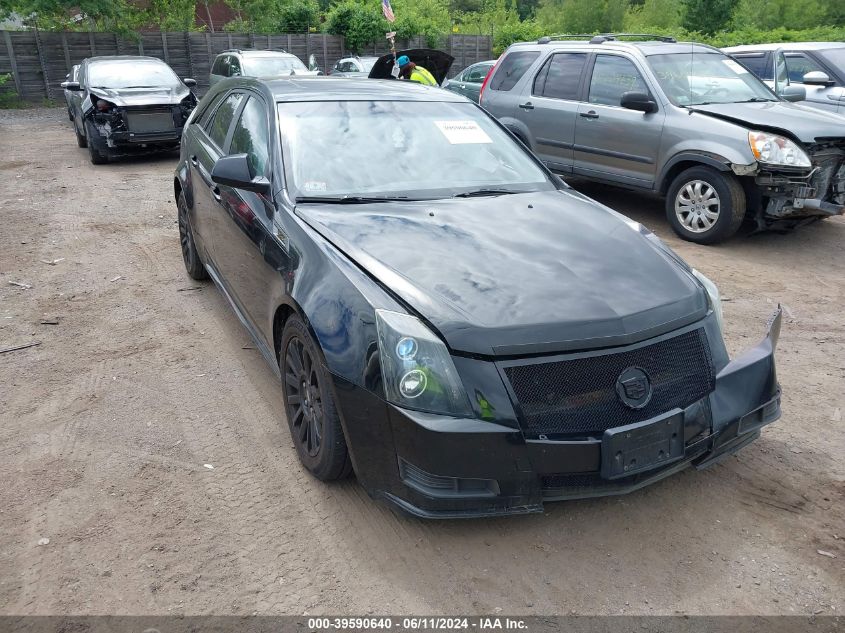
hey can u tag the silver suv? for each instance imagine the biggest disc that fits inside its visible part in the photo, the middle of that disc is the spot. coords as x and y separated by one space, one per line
253 63
681 119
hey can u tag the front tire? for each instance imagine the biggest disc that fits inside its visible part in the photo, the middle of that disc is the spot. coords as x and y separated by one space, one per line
193 264
309 405
704 205
98 157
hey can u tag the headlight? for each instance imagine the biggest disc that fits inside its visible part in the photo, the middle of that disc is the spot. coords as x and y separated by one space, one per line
776 150
416 367
712 294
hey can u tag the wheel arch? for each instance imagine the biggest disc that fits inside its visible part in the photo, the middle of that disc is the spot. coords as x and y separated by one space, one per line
683 161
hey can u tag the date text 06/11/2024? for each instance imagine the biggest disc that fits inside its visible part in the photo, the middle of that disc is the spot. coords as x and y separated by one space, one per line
423 623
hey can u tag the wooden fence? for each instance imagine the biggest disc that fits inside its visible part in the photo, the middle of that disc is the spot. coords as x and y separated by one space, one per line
39 61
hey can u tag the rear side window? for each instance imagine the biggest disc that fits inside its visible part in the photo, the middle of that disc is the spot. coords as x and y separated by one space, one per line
757 64
613 76
251 137
223 118
511 69
234 66
560 76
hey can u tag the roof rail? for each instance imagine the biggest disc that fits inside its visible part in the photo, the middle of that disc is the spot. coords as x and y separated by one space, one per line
252 50
639 36
606 37
551 38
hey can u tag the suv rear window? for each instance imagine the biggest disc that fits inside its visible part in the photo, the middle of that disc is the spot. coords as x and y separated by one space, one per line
511 69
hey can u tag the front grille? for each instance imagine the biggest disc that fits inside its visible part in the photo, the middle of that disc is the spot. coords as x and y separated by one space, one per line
150 121
577 397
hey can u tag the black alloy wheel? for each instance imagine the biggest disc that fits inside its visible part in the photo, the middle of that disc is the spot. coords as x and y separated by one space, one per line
312 416
193 264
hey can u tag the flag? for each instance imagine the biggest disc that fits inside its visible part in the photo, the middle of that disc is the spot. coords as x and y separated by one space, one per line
387 10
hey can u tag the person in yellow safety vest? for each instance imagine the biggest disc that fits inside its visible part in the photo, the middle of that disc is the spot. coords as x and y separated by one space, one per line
409 70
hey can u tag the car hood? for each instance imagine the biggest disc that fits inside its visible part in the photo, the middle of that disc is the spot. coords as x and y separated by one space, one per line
801 122
142 96
517 274
436 62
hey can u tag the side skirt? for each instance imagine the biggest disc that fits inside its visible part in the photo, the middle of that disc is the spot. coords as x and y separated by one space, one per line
259 343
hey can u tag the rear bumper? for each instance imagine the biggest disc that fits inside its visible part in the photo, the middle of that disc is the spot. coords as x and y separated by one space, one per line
439 467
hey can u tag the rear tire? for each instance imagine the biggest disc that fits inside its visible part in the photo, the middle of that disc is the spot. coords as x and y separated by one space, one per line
98 157
704 205
193 264
309 405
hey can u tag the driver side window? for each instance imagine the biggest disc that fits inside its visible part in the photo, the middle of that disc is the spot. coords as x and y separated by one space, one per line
251 136
798 65
612 77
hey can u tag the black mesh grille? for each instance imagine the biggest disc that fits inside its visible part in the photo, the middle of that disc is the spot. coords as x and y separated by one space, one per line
578 396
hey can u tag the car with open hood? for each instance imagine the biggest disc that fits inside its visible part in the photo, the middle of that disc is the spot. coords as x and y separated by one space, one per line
435 61
128 104
455 324
680 119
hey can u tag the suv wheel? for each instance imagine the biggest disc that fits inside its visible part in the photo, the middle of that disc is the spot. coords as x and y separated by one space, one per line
309 405
704 205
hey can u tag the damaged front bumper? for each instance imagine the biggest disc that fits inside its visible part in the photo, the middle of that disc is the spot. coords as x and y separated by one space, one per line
794 194
126 131
451 468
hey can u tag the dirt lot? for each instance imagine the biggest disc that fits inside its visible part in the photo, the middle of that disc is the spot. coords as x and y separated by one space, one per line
107 426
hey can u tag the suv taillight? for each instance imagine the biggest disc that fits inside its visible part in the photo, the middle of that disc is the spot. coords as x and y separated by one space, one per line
487 78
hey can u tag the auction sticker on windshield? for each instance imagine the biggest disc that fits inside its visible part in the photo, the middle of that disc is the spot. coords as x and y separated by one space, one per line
462 132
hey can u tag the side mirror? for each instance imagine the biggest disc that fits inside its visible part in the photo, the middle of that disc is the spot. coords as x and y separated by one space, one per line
71 85
639 101
312 62
189 82
233 171
793 93
817 78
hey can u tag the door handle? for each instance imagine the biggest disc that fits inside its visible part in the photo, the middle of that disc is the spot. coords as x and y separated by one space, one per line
215 191
592 114
463 86
194 160
527 106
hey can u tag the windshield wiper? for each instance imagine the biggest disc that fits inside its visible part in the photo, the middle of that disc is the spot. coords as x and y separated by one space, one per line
350 199
756 100
485 192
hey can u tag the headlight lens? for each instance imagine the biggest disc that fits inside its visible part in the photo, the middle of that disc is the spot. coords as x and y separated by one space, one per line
776 150
713 295
416 367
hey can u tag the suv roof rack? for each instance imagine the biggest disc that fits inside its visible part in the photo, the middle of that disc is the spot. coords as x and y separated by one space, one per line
252 50
608 37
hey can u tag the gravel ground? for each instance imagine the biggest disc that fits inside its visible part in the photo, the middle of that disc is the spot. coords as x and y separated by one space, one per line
144 379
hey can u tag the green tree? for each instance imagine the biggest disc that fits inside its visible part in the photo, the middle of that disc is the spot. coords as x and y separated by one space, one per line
427 18
707 16
771 14
107 15
359 23
653 15
582 16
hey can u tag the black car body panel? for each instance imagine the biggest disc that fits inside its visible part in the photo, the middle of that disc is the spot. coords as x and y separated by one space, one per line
515 449
434 61
589 282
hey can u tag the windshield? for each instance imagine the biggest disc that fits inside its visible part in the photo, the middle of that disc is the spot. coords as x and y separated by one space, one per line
835 57
400 149
702 78
131 73
269 66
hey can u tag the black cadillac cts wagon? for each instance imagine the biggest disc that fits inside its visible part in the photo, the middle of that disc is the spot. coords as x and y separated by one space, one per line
448 319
